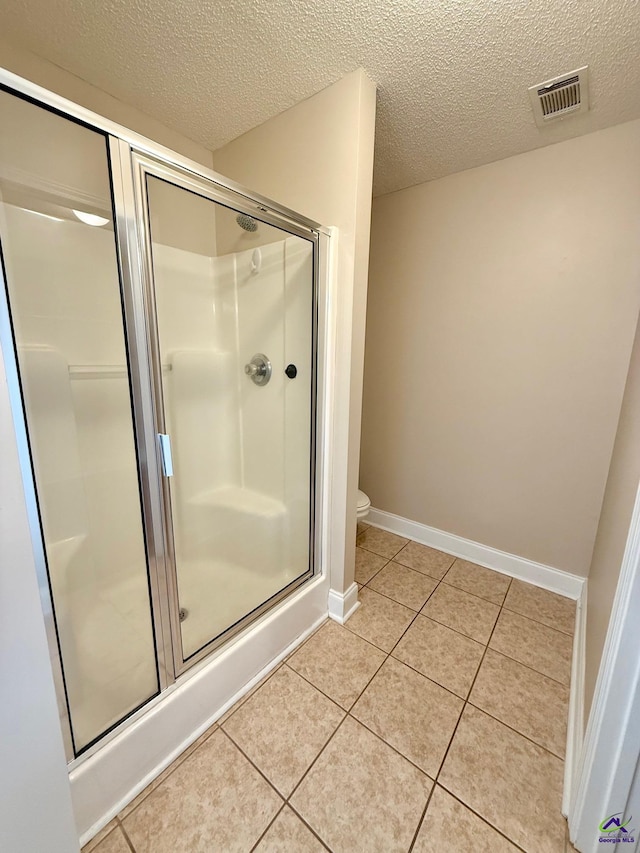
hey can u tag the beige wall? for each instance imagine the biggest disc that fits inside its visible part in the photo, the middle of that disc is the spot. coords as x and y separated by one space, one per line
502 308
55 79
617 508
317 158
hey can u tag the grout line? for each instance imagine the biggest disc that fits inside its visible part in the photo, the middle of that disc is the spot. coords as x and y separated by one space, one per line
254 765
401 637
268 826
432 680
389 598
376 573
484 820
451 628
391 746
539 622
170 770
126 835
466 701
308 770
386 556
507 726
530 668
309 827
248 695
472 594
326 695
387 651
409 569
422 817
320 690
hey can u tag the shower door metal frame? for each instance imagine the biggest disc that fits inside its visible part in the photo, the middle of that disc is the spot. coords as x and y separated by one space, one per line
143 166
127 151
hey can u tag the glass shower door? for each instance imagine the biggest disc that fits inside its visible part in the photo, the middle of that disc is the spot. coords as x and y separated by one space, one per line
59 262
234 304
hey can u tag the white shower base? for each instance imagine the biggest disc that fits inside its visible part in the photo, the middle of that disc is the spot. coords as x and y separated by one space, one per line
220 593
233 558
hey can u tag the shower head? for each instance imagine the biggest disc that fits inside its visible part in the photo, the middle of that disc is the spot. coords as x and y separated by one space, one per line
247 222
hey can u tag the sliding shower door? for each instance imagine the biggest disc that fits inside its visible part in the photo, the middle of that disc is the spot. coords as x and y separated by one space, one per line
60 267
232 298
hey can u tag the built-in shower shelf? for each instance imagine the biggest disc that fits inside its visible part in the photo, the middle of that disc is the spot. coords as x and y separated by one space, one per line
103 371
243 500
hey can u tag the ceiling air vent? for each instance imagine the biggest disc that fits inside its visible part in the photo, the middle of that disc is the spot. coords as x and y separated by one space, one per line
560 97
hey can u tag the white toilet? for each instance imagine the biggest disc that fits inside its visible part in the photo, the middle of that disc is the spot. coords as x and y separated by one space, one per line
364 505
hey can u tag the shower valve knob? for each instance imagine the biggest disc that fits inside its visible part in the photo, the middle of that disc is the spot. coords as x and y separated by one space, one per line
291 370
259 369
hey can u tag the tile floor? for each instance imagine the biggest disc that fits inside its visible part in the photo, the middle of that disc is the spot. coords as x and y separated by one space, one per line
434 720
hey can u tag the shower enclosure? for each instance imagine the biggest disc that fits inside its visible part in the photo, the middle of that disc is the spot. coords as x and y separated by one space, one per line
164 327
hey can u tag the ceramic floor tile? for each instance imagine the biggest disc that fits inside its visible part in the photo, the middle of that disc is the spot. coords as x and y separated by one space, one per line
463 612
111 842
360 795
448 825
338 663
479 581
441 654
404 585
361 526
99 836
283 727
527 701
410 713
306 640
169 770
551 609
246 696
543 649
380 620
381 542
367 565
288 834
424 559
215 800
512 783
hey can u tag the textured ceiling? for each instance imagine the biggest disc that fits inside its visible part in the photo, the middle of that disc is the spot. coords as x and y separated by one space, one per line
452 74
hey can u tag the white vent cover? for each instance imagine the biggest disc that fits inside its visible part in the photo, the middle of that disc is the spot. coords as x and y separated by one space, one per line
560 97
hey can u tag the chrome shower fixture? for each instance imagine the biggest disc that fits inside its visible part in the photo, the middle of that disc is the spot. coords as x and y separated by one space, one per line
246 222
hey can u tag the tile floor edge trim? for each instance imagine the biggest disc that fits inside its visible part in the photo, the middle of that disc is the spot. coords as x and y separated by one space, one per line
575 719
554 580
342 605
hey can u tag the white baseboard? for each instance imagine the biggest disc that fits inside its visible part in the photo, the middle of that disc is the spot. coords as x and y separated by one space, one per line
343 605
575 722
547 577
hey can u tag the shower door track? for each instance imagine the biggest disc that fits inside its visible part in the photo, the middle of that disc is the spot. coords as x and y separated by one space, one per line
131 156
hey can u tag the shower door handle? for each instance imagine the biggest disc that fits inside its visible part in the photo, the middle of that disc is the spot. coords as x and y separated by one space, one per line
165 453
